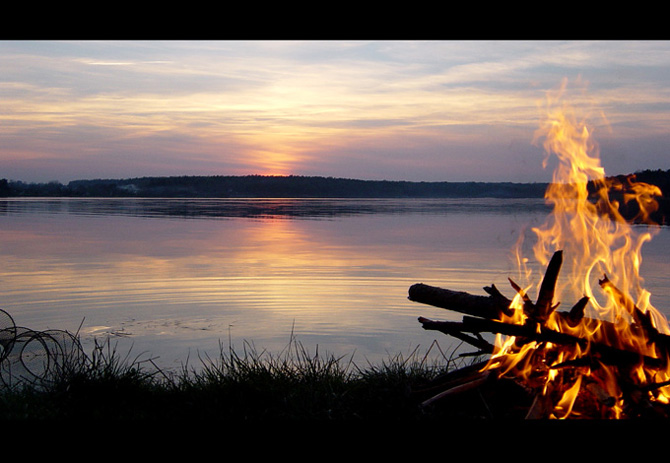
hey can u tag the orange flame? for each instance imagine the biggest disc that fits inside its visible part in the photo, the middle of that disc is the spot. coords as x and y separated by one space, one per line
603 253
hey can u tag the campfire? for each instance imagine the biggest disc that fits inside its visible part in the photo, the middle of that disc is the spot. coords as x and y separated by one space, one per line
606 354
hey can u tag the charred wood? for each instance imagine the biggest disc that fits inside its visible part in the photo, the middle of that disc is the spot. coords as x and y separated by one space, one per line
592 343
456 330
534 332
544 305
491 307
642 319
472 382
576 314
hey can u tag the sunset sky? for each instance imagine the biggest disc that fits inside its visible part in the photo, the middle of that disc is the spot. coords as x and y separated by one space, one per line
395 110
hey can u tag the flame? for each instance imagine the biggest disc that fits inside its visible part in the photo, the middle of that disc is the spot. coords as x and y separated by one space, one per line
602 272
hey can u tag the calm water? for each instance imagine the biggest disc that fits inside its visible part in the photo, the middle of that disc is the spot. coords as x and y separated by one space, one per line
175 279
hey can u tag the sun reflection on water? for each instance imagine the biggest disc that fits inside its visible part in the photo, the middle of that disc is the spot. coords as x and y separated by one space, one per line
168 283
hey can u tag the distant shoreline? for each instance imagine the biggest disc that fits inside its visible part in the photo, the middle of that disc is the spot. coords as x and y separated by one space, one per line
258 186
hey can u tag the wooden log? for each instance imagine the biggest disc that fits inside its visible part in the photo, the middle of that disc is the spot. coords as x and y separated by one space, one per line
494 305
576 314
530 331
451 378
599 393
622 299
642 319
469 385
528 306
490 307
533 332
499 299
544 305
455 329
486 314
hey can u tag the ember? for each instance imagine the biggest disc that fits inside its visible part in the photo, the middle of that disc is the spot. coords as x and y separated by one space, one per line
605 357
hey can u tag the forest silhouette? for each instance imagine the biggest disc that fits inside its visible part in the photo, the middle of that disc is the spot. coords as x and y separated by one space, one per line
293 186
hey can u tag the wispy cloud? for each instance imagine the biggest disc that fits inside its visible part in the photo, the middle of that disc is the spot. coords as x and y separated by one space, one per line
327 108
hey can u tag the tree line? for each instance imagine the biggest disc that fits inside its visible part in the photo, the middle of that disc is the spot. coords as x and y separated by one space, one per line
260 186
257 186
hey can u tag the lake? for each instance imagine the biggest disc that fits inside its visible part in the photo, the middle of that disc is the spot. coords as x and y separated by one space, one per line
176 279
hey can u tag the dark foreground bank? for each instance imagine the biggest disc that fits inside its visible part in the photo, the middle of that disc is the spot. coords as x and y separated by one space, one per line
248 388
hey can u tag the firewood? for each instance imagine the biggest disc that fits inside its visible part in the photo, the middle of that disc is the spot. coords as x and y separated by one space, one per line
488 308
576 314
540 407
622 299
642 319
531 332
600 394
499 299
544 305
453 376
455 329
595 344
458 301
469 385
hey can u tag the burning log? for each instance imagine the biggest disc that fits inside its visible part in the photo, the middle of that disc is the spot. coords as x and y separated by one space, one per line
615 364
529 333
493 314
543 308
490 307
457 330
470 383
486 308
495 305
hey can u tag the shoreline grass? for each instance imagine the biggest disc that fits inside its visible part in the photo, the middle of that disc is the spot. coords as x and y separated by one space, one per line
245 387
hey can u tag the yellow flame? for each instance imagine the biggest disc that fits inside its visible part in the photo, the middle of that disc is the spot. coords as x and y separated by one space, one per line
603 258
588 226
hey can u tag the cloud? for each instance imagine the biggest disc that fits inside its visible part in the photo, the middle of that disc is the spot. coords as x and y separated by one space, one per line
307 106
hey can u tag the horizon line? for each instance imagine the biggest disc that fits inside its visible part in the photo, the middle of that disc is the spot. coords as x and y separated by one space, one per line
292 176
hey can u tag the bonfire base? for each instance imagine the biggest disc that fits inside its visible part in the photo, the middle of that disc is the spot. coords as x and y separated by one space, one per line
504 395
483 398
